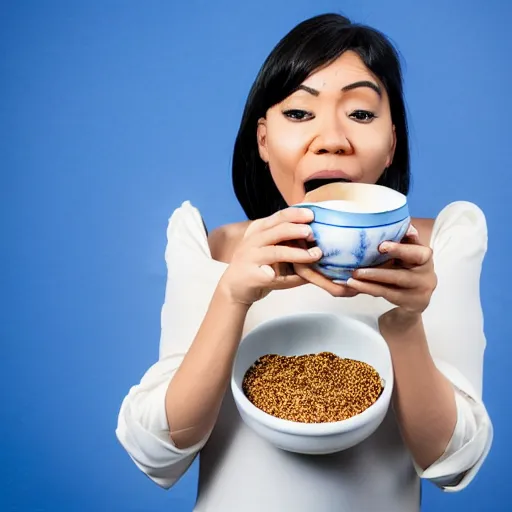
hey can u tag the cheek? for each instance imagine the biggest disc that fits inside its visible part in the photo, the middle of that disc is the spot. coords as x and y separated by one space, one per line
285 147
374 155
285 151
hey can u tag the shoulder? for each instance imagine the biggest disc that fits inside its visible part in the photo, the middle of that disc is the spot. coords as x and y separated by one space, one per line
460 224
224 240
461 219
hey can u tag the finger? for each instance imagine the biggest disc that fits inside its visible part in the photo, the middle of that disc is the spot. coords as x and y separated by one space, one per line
412 236
391 263
287 282
292 214
283 232
282 282
412 254
310 275
283 254
397 277
392 295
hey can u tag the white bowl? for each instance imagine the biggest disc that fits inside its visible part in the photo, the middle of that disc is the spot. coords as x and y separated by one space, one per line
306 334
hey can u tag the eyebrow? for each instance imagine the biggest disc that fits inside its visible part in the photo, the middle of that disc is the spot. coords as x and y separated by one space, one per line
349 87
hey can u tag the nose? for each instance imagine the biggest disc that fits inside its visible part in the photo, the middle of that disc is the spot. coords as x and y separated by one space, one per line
332 139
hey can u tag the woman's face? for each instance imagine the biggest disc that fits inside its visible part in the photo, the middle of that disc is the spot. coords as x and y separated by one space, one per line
337 124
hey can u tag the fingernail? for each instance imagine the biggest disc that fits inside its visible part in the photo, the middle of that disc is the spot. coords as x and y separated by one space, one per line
307 213
316 252
412 230
384 247
268 270
307 231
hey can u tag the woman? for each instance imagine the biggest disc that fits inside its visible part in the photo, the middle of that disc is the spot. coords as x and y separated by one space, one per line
326 103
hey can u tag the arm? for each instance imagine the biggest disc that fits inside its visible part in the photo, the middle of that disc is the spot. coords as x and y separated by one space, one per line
454 324
439 383
195 393
166 419
424 399
142 427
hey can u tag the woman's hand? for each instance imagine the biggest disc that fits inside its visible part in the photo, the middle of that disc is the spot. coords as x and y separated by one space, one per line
408 283
252 274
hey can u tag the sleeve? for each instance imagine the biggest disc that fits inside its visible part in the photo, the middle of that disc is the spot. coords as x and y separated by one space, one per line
454 326
142 427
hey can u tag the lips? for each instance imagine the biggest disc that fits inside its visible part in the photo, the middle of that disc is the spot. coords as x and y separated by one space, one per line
321 178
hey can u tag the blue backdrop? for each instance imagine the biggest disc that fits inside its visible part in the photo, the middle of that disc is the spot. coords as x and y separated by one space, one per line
113 113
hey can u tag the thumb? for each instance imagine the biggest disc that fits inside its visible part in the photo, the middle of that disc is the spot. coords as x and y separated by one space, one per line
268 270
286 282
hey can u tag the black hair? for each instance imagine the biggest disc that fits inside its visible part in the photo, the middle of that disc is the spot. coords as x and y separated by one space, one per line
313 44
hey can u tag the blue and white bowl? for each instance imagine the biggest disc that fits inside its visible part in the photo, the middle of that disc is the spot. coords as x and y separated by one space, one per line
349 230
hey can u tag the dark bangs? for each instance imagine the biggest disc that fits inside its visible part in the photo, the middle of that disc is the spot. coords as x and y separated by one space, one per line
311 45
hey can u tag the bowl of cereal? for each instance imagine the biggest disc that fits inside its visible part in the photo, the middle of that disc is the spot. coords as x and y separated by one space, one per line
313 383
351 221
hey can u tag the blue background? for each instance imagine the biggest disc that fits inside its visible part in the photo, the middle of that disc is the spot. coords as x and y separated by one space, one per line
113 113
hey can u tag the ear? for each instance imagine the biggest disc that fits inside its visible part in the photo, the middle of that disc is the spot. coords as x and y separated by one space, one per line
261 134
392 149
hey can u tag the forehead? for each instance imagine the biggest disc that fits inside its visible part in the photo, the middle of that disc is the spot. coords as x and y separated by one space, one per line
346 69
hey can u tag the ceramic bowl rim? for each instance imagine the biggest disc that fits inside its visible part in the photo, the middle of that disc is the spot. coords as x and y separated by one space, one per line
362 185
344 212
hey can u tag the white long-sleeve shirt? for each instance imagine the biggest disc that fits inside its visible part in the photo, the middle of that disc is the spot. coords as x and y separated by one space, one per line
241 472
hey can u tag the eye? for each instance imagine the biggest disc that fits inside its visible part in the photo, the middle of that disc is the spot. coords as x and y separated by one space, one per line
297 115
363 116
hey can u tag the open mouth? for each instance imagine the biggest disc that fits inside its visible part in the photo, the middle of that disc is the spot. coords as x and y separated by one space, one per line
319 182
